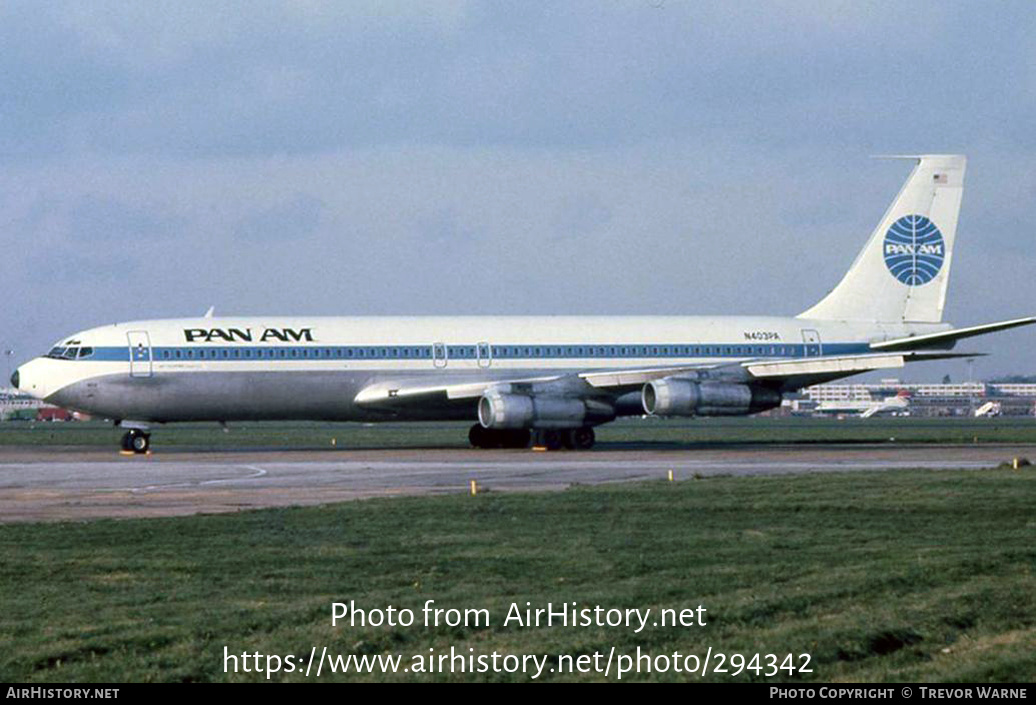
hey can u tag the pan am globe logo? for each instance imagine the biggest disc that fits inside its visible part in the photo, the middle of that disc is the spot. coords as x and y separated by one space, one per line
914 250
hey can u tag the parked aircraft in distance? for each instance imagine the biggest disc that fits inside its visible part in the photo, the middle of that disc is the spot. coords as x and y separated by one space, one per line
556 377
867 407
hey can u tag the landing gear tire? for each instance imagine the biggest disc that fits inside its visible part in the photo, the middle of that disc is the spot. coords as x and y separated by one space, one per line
518 438
136 441
482 437
477 436
580 438
551 440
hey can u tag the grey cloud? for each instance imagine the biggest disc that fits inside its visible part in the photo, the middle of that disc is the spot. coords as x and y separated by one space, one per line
296 217
239 79
497 157
93 218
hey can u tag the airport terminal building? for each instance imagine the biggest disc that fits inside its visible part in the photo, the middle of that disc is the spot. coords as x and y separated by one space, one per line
18 406
927 399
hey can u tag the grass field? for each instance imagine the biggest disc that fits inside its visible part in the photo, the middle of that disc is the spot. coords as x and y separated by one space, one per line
891 576
628 432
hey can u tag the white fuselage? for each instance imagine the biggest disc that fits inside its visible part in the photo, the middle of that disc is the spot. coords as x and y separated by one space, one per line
312 367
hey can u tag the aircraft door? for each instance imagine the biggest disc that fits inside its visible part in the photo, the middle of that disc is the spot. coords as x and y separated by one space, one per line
141 363
812 345
439 358
485 354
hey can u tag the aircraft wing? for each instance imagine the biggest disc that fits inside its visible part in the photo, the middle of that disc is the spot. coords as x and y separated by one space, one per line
396 392
784 375
399 393
789 375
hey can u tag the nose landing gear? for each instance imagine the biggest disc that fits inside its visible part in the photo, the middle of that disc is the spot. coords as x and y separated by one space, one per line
136 441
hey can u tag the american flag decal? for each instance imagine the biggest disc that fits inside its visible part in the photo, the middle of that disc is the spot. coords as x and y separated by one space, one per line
940 178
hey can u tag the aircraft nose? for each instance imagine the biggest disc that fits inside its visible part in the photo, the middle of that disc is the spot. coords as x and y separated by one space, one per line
27 379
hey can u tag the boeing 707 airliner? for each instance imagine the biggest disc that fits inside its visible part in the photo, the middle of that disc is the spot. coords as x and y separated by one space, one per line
549 379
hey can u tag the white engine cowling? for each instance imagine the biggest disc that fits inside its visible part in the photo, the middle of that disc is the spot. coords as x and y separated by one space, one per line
673 396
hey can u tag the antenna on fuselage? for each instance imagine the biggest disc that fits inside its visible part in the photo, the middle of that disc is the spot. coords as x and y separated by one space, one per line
208 314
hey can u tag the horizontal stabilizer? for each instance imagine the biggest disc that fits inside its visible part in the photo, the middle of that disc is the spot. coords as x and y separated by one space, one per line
947 338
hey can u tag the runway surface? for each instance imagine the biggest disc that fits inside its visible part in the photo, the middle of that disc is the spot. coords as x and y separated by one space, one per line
55 484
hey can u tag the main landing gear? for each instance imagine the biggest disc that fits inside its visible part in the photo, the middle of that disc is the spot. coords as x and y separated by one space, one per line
482 437
575 439
136 441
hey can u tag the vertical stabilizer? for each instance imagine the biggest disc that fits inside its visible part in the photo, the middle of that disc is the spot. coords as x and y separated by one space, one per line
902 272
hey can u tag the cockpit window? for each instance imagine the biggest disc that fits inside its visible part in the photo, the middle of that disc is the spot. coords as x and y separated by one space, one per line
57 352
85 352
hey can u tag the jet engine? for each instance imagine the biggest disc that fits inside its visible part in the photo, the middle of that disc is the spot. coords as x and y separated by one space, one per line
504 410
673 396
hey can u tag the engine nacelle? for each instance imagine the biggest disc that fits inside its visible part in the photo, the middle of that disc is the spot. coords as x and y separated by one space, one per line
502 410
673 396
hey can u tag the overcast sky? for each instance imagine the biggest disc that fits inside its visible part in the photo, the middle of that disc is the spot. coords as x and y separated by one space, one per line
649 156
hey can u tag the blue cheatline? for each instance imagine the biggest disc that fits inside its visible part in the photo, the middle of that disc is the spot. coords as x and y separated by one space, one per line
465 352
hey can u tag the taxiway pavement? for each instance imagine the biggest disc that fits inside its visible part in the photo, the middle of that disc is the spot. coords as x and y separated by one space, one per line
56 484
